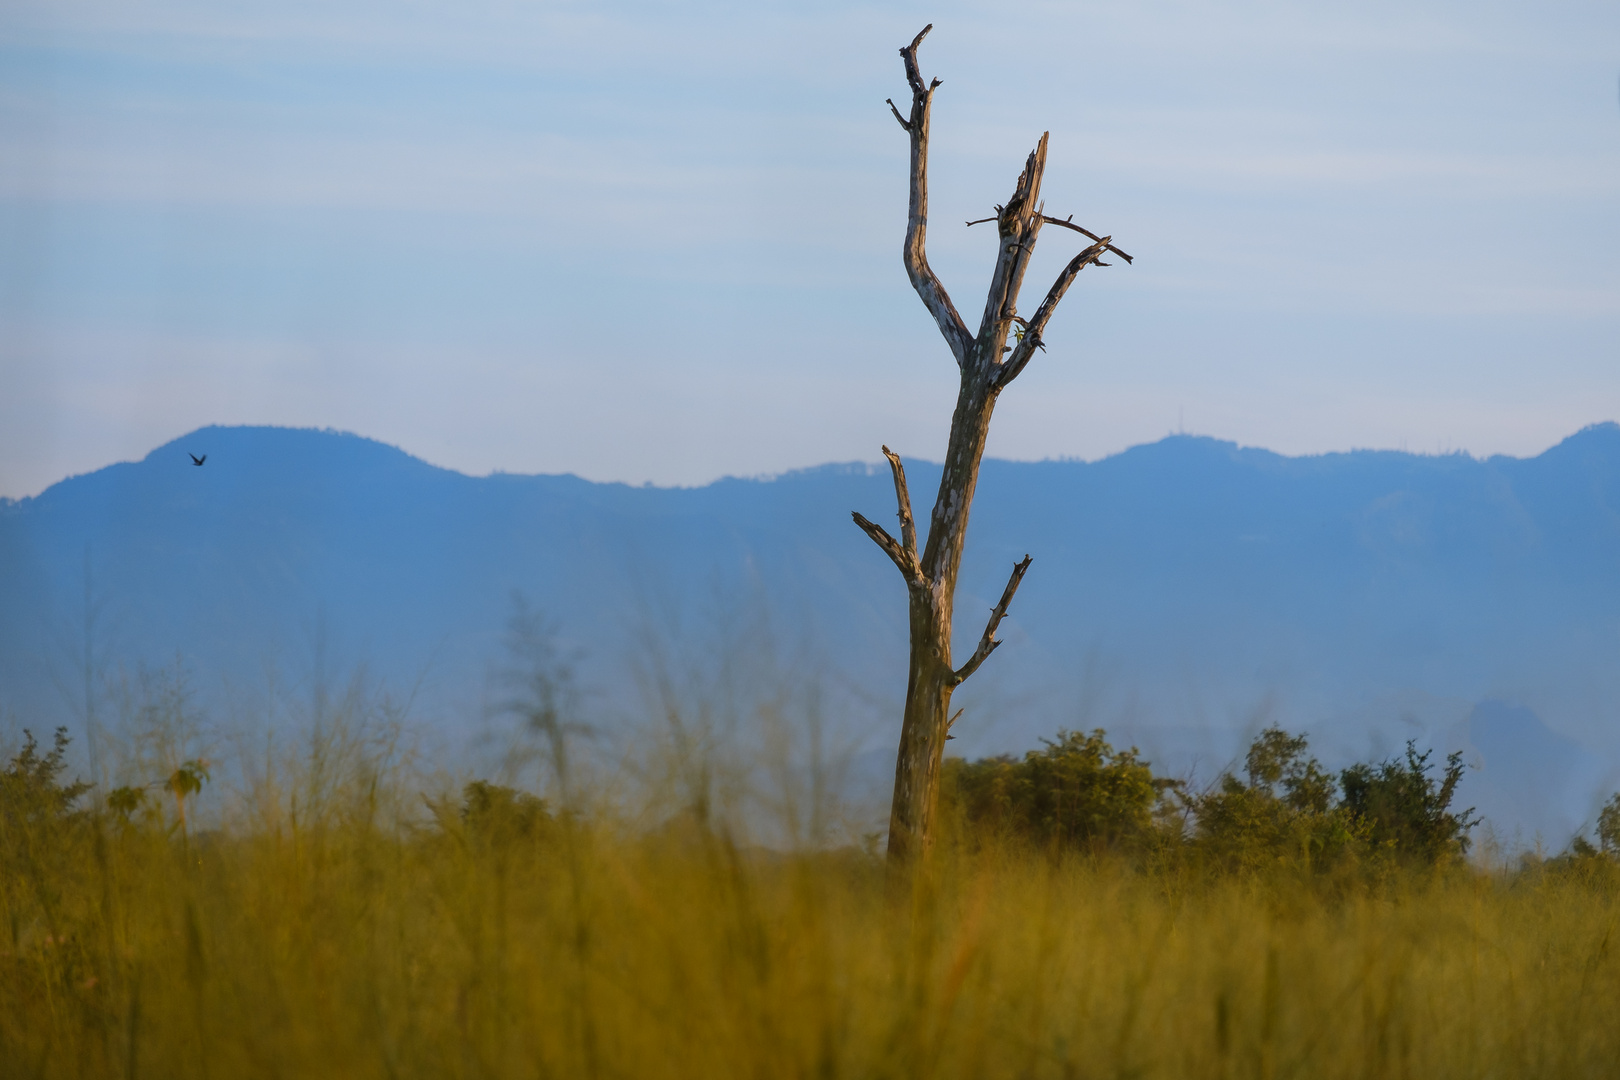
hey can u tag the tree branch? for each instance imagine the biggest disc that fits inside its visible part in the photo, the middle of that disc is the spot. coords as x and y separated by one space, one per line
908 525
909 55
988 643
1019 223
904 560
1025 349
1068 223
923 278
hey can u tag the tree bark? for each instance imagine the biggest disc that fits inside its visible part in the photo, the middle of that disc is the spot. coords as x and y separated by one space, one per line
931 575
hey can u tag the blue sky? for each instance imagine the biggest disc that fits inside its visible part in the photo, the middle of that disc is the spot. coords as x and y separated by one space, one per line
661 241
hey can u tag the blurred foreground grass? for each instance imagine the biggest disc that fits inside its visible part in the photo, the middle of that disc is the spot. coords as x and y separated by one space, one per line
497 941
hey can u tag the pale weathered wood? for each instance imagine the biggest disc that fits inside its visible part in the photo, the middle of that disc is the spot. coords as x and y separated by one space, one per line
902 496
931 575
905 560
923 278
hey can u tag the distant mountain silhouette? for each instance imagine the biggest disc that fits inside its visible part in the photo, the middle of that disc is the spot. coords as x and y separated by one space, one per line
1183 593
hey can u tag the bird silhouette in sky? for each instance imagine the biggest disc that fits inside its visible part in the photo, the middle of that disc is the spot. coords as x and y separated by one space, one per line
195 460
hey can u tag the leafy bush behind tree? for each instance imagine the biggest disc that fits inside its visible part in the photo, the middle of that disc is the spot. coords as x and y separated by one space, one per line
1080 793
1286 811
1076 792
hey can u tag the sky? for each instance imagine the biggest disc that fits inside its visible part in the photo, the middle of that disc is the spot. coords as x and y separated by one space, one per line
661 241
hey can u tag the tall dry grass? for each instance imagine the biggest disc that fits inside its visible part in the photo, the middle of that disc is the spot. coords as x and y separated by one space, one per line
344 929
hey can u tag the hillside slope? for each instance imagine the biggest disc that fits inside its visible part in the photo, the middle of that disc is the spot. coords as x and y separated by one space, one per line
1182 593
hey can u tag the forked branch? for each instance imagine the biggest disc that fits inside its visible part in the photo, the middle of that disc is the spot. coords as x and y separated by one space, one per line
908 525
988 643
880 536
913 73
1018 225
1031 340
904 550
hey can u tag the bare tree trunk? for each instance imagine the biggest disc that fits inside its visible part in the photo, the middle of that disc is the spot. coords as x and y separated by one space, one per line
987 363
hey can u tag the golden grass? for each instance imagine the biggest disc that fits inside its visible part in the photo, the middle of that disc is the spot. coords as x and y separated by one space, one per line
340 947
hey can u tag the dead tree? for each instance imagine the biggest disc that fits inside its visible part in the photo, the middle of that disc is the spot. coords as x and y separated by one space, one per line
987 362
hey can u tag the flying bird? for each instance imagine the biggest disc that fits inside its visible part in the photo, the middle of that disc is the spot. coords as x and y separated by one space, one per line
195 460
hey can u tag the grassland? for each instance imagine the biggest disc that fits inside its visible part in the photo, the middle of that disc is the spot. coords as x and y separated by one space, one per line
362 934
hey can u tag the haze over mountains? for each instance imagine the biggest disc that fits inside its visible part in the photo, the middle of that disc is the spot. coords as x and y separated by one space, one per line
1183 594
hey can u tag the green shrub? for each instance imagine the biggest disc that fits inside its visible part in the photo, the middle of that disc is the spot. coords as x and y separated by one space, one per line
492 816
1076 792
31 793
1286 812
493 810
40 834
1608 826
1406 811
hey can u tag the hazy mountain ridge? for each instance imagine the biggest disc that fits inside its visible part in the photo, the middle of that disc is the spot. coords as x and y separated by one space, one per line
1182 590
